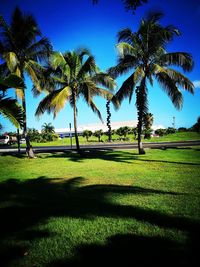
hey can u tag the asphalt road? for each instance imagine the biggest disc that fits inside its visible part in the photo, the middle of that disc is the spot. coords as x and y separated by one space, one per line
38 149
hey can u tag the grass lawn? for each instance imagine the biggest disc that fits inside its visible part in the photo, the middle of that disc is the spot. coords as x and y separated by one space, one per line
109 208
182 136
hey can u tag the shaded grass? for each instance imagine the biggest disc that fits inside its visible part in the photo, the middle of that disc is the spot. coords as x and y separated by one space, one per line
106 208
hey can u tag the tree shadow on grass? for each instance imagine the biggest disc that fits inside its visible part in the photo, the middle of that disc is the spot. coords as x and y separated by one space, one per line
25 205
118 156
130 250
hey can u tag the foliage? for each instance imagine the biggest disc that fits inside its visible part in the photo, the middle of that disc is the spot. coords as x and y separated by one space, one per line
196 126
72 75
9 107
170 130
144 54
48 128
98 134
45 136
123 131
87 134
131 5
33 134
23 48
182 129
160 132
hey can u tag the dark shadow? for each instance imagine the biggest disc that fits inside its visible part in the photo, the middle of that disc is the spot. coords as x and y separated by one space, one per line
25 205
118 156
131 250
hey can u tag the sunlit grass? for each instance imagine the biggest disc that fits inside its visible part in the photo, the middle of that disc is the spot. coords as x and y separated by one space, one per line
106 207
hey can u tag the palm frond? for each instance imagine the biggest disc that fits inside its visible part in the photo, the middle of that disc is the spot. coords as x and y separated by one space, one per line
181 80
180 59
57 59
127 88
105 80
169 86
81 52
95 109
12 81
11 60
88 91
53 102
40 50
125 49
88 66
125 64
126 35
34 71
11 110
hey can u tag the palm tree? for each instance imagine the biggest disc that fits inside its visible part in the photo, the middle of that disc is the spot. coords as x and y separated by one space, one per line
22 47
129 4
48 128
144 53
9 108
74 74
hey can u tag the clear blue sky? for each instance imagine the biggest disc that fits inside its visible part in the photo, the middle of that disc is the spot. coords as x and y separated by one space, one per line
70 24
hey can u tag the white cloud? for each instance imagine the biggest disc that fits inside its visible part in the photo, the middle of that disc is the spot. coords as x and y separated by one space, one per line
196 84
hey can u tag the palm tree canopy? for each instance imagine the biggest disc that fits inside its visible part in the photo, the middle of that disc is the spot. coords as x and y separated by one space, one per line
129 4
22 46
48 128
9 107
144 53
73 75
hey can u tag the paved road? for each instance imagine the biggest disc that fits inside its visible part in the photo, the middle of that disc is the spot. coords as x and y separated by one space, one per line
4 149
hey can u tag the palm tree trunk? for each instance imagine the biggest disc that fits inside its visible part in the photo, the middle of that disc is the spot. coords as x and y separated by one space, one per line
29 150
75 126
140 103
108 120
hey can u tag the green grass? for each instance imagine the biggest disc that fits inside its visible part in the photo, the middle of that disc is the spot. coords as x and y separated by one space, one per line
185 136
107 208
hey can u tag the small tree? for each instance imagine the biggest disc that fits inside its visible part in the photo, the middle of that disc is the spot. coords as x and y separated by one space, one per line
87 134
48 128
160 132
33 134
98 134
123 131
196 126
182 129
170 130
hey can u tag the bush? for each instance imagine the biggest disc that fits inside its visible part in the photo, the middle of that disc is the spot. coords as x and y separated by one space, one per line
160 132
182 129
170 130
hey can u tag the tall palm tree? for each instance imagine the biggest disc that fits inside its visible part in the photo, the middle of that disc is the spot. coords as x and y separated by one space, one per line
74 74
108 120
9 108
144 54
22 47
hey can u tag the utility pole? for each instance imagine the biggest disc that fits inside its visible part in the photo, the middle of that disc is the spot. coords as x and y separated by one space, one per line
173 123
18 135
70 128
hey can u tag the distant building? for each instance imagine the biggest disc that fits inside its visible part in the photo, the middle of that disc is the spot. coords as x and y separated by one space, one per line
65 132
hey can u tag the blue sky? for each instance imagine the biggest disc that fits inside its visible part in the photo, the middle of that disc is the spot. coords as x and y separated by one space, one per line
71 24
